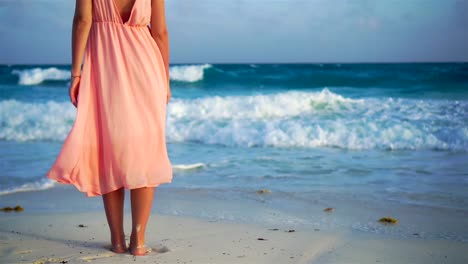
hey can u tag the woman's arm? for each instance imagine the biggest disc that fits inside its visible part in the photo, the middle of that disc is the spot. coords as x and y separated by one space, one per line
81 25
159 31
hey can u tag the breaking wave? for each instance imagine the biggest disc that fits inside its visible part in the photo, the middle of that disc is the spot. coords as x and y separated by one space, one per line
286 119
38 75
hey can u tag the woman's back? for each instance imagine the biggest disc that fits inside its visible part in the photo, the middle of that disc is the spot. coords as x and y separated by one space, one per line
124 8
127 12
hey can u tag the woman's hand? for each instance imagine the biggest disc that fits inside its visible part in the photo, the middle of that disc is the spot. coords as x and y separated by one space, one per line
74 89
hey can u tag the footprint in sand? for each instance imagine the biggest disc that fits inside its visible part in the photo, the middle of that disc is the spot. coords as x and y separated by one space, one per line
161 249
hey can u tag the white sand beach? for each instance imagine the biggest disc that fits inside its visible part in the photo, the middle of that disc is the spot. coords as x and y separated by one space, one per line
81 236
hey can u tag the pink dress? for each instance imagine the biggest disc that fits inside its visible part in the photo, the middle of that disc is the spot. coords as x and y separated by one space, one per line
118 137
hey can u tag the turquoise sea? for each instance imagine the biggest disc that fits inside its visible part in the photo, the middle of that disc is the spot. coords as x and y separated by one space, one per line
310 133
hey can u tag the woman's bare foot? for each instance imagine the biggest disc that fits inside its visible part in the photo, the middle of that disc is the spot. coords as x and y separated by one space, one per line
139 250
137 246
119 248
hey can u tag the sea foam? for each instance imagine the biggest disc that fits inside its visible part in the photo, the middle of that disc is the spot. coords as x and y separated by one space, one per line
285 119
188 167
22 121
42 184
319 119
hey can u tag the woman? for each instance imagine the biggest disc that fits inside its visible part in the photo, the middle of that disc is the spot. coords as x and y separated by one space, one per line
117 141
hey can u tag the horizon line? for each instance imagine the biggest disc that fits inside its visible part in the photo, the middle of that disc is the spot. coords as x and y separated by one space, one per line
265 63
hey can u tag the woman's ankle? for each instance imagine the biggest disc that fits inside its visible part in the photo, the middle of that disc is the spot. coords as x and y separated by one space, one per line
137 239
118 239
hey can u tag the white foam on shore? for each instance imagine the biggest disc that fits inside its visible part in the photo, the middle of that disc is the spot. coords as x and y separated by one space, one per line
43 184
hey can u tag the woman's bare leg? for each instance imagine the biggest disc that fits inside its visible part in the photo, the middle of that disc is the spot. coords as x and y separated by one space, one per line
141 201
114 205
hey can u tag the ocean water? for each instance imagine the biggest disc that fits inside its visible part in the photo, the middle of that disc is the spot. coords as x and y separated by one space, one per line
374 133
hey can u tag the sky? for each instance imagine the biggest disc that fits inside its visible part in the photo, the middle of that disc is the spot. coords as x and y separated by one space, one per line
261 31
